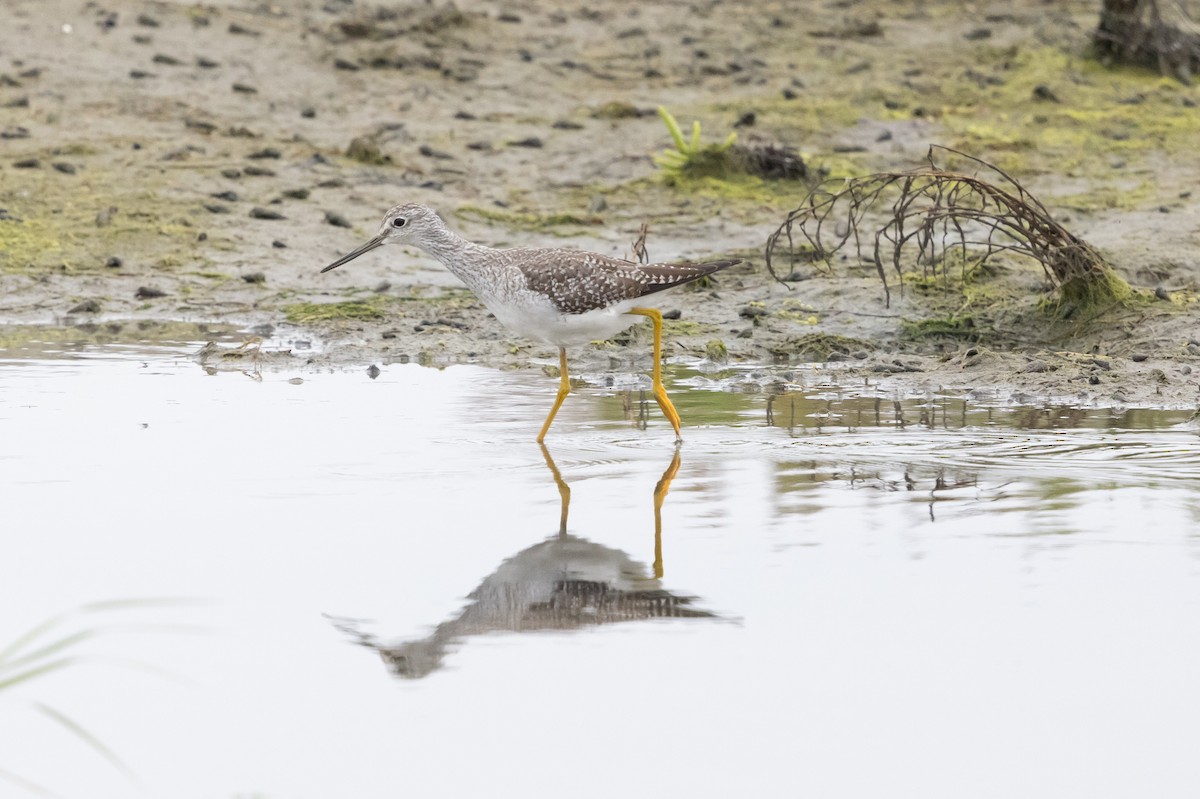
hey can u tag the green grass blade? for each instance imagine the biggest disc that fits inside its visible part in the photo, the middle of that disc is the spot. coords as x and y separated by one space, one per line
32 787
673 128
695 136
89 739
37 671
54 648
30 636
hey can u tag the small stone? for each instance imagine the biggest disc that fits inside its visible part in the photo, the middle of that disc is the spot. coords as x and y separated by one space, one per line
141 74
1161 293
206 63
231 174
1094 379
464 115
104 218
337 220
258 212
1035 366
1138 357
747 333
675 313
241 30
1045 93
259 172
978 34
27 163
149 293
113 262
296 194
373 371
16 132
297 381
343 64
169 60
146 21
256 278
266 152
227 196
566 124
244 88
216 208
64 167
752 312
382 286
279 245
87 306
529 141
308 112
429 152
479 145
746 120
789 94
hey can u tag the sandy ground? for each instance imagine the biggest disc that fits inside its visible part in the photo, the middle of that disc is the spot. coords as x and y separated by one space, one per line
172 169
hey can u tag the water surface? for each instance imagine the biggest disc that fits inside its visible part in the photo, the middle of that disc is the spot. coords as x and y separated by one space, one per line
825 592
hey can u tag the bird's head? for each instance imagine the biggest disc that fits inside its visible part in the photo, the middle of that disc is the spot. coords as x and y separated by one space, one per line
405 224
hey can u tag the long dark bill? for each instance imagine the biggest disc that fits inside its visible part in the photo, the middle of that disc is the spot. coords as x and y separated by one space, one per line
350 256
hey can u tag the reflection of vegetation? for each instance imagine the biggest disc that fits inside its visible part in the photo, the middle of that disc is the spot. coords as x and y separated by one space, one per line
54 646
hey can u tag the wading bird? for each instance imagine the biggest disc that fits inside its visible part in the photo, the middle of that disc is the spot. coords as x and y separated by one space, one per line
558 296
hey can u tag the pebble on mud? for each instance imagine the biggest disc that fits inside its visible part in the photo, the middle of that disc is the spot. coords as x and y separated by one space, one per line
215 208
259 172
266 152
64 167
87 306
674 313
279 245
337 220
528 141
1162 294
1138 357
149 293
258 212
113 262
296 194
257 278
244 88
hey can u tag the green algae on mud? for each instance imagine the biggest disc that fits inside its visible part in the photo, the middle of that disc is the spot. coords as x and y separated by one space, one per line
76 223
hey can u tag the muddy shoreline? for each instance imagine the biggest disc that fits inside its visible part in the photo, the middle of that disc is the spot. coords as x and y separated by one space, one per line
195 165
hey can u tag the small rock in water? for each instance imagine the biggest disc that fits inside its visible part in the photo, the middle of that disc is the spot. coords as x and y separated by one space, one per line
1162 293
297 381
373 371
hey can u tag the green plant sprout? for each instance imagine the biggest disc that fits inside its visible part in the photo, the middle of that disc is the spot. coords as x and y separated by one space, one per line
690 158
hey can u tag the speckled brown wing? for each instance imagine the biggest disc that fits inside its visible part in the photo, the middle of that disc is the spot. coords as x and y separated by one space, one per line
577 282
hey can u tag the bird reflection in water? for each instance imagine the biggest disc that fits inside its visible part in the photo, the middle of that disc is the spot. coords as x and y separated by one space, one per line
563 583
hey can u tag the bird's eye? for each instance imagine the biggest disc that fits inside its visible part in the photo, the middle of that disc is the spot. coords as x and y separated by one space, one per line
399 221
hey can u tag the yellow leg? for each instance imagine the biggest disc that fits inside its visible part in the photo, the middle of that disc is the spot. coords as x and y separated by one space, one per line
564 491
660 393
660 493
564 388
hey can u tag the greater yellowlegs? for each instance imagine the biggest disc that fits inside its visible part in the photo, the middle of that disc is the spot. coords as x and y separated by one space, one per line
558 296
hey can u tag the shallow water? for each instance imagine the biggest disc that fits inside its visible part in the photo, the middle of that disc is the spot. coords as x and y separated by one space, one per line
840 595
